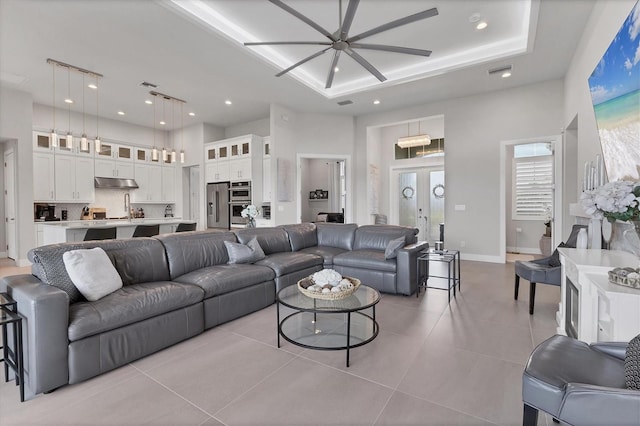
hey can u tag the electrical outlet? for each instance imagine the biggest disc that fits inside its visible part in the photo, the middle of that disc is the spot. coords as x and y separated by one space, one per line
518 229
463 243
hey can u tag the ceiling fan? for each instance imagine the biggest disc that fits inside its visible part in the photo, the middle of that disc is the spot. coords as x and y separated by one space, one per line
340 41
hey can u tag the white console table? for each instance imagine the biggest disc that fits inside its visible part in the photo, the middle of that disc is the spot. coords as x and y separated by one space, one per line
591 309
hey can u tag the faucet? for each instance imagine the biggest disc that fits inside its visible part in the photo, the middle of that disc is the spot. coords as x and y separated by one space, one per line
127 205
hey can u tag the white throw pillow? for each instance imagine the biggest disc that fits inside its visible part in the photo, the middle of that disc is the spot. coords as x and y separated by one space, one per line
92 272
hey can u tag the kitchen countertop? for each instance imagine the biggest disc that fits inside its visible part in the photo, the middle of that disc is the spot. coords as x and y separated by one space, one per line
82 224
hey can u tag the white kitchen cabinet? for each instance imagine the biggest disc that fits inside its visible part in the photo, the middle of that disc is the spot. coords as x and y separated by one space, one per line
43 176
74 178
240 169
114 161
240 148
144 155
42 142
149 179
217 171
266 141
169 184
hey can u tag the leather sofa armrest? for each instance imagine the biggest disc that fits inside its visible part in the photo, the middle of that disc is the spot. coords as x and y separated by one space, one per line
45 313
590 404
407 267
615 349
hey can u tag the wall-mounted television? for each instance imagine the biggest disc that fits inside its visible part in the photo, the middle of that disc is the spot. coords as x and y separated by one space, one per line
615 93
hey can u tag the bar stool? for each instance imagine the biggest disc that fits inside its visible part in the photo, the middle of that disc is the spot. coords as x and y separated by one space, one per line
94 234
184 227
146 231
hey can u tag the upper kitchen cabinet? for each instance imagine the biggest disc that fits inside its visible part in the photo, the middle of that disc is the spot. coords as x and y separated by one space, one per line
43 176
74 179
144 155
114 160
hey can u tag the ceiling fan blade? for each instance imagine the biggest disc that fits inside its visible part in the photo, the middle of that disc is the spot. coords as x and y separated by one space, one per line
359 59
397 23
273 43
395 49
297 64
348 18
332 70
303 18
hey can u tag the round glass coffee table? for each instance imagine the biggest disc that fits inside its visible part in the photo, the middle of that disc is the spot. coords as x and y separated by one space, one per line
327 324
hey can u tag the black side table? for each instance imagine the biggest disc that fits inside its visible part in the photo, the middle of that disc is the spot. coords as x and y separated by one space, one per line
12 356
451 258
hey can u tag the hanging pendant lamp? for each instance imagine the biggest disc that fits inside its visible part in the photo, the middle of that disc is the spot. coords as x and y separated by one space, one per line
98 142
69 143
181 133
84 144
54 134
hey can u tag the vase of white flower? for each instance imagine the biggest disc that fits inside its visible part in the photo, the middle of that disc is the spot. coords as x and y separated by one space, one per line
619 203
250 212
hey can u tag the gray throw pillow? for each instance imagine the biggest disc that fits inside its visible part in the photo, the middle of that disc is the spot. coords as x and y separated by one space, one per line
240 253
632 364
391 252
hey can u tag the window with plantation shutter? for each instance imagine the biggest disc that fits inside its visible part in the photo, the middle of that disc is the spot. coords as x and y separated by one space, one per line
532 187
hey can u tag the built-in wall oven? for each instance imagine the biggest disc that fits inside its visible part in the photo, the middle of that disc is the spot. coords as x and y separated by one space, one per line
239 198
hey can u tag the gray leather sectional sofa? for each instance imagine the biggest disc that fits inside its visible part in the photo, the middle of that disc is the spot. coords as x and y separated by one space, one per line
177 285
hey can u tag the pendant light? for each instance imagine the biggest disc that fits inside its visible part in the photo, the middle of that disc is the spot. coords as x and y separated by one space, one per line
154 151
416 140
69 135
173 121
164 149
98 142
54 134
84 145
181 133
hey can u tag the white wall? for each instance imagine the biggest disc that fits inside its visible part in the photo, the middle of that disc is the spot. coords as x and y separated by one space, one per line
474 127
258 127
295 133
606 19
15 124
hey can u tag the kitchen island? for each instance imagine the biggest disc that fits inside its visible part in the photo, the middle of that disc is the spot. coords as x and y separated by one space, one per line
75 230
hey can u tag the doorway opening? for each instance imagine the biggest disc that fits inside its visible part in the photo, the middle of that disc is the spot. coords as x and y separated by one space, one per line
420 195
530 202
324 188
10 235
191 194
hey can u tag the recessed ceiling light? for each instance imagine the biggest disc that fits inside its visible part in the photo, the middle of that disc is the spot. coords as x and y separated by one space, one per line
120 112
336 69
163 123
506 74
376 102
228 102
481 25
148 102
192 114
92 86
68 101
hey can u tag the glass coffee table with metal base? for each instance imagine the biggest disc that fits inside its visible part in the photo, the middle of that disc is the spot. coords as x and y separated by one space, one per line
327 324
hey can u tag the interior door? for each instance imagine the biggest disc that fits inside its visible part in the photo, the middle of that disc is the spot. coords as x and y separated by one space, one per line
9 203
421 201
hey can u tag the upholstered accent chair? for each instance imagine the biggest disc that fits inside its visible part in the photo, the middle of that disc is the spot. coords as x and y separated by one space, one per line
579 384
544 271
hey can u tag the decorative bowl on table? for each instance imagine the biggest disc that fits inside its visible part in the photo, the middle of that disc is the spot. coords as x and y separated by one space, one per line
627 277
328 285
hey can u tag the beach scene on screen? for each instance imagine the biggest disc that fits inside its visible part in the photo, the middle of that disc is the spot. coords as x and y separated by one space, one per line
615 92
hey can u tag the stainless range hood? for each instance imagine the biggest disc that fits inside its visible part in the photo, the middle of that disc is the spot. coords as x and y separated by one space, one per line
115 183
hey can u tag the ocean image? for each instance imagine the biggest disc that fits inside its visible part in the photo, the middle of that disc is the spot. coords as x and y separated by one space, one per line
615 92
619 127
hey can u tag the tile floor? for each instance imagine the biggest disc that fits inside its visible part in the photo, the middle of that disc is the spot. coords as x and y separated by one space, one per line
432 364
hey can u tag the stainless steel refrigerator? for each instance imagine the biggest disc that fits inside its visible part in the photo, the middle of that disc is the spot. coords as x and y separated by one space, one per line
218 205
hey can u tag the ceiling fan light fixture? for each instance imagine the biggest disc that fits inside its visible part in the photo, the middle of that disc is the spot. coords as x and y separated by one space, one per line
416 140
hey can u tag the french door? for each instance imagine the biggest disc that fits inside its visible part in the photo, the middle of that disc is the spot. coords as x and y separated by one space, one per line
420 201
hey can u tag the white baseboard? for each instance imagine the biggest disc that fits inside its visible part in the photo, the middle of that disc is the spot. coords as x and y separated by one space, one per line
524 250
23 262
481 258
